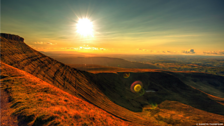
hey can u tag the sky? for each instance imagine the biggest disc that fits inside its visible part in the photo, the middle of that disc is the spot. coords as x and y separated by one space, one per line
119 26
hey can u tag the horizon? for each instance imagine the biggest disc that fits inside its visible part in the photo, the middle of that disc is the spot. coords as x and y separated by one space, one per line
86 54
128 28
112 62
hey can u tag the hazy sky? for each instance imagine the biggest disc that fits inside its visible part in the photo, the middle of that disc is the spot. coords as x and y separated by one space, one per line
122 26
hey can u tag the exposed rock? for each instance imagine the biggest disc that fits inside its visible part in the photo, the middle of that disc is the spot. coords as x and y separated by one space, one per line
12 37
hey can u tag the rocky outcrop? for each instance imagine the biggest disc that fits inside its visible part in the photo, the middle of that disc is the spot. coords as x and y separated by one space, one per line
12 37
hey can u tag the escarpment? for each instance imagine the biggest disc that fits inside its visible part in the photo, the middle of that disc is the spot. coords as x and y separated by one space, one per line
111 92
18 54
12 37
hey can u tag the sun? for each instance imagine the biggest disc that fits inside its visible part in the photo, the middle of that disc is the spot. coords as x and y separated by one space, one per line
85 27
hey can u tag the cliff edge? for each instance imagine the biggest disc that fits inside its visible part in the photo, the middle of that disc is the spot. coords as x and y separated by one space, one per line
12 37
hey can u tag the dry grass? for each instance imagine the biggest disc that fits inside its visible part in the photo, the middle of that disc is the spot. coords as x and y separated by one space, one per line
35 102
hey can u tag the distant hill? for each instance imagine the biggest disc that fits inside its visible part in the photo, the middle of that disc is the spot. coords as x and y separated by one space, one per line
178 100
104 61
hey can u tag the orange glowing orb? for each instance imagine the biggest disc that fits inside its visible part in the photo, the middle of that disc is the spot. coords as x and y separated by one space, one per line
137 87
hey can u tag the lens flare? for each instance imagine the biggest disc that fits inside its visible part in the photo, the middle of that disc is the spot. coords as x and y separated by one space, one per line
141 92
153 106
136 86
126 75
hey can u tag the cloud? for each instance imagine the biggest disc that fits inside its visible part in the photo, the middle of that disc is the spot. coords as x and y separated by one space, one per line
47 43
142 49
168 52
39 43
210 52
221 52
70 48
214 52
88 48
102 49
94 48
190 51
158 51
85 48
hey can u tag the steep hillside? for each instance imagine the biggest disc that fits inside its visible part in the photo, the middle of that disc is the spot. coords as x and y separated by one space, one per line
35 102
209 83
175 102
167 87
17 54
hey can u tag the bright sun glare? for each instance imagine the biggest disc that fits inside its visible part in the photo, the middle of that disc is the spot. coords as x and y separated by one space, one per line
85 27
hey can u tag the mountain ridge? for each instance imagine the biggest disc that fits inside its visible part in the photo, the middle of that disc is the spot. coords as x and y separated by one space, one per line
104 61
111 91
30 97
12 37
60 75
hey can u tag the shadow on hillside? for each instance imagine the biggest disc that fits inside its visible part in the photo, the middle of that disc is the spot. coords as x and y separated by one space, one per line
209 83
167 86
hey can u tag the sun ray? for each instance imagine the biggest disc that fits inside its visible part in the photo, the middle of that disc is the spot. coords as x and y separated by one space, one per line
85 27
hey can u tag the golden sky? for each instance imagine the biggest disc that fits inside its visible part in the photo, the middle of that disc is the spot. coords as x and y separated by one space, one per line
121 27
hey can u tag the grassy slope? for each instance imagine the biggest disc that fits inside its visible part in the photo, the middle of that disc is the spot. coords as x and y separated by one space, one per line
6 118
35 102
73 81
209 83
58 74
169 111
